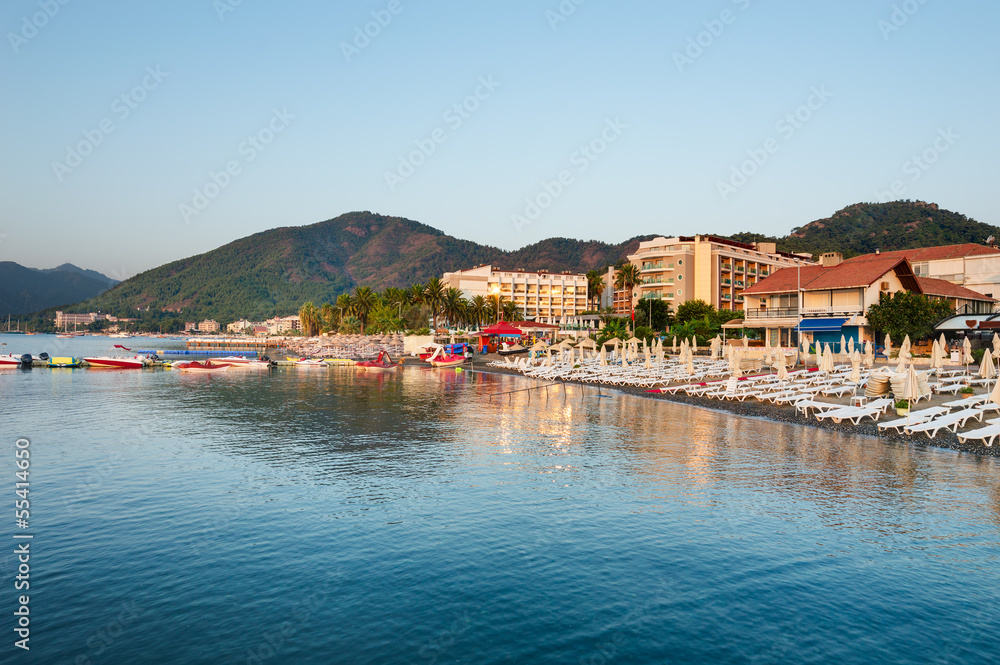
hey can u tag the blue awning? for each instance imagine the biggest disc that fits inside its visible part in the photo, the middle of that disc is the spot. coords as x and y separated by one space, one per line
821 325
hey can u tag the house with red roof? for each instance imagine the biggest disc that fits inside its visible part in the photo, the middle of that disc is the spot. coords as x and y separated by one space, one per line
823 302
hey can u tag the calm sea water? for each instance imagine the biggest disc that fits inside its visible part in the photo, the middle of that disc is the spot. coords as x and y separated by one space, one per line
326 516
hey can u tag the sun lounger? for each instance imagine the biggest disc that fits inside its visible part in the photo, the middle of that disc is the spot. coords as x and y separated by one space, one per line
986 434
951 421
852 413
915 418
966 402
805 405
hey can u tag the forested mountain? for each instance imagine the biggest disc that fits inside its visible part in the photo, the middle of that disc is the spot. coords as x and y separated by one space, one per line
864 227
275 271
24 290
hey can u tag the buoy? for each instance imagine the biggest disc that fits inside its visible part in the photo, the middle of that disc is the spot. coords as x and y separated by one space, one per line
458 369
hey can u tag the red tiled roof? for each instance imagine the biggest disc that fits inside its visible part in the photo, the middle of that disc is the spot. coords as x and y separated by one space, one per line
844 276
939 287
932 253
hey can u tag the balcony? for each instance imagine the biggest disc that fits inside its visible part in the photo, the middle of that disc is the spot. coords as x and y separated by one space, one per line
764 273
838 310
652 266
739 270
726 267
775 313
752 271
727 282
739 283
726 296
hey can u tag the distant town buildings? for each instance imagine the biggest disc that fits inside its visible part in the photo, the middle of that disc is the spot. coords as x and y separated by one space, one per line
208 325
555 298
279 325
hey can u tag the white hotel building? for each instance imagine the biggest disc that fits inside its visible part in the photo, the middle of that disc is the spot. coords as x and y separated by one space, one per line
555 298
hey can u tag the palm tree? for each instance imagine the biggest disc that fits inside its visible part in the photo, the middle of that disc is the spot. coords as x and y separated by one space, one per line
309 319
363 302
627 279
327 314
433 297
494 309
511 311
453 306
343 305
416 294
396 297
478 310
595 287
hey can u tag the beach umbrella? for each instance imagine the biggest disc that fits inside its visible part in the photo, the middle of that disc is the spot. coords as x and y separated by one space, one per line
690 366
843 344
603 357
850 347
911 387
827 359
649 361
944 343
782 371
966 353
768 355
888 347
674 346
995 394
906 344
987 370
855 376
746 342
819 356
694 344
901 365
996 345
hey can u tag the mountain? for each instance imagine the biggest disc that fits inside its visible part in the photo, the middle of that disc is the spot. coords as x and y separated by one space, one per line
24 290
275 271
864 227
93 274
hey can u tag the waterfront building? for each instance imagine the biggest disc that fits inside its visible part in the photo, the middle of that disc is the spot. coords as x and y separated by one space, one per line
283 324
540 296
209 325
615 298
707 268
191 326
823 302
68 319
242 326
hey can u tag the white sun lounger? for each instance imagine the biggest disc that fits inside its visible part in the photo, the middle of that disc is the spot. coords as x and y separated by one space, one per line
805 405
986 434
915 418
853 413
951 421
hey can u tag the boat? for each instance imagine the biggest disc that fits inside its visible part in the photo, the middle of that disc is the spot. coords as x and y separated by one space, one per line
242 362
381 364
508 350
65 336
10 361
310 362
13 332
441 359
200 367
117 361
64 361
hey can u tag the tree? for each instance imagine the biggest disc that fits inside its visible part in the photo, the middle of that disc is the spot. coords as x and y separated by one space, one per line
661 313
363 302
693 309
343 306
613 328
383 319
595 288
433 297
907 313
453 306
478 310
416 294
328 317
511 312
309 319
627 279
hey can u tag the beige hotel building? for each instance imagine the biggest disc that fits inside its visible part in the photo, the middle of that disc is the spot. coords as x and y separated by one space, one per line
707 268
541 296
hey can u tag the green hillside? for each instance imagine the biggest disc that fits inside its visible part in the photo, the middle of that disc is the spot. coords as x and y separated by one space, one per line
24 290
864 227
275 271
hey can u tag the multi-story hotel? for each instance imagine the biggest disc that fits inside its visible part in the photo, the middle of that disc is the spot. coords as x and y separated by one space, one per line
542 296
706 268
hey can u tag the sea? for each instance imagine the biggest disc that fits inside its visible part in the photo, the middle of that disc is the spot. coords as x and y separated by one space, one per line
317 516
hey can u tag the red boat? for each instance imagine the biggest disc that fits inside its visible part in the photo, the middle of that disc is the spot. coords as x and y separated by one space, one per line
441 359
381 364
199 367
117 361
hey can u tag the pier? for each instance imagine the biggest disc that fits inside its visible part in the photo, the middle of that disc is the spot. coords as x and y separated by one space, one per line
229 342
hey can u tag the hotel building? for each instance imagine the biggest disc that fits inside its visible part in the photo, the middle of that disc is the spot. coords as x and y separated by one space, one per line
556 298
707 268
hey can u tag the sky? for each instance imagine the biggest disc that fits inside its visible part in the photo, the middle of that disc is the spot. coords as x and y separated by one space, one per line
136 133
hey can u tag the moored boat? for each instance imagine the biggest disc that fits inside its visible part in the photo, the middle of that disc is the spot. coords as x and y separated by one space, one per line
118 361
64 361
441 359
381 364
9 361
195 366
311 362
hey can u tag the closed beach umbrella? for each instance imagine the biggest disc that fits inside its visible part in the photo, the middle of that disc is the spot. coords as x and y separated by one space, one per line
888 347
843 344
768 355
674 347
855 376
782 371
746 342
649 362
995 394
987 370
966 353
827 359
944 343
603 357
996 345
850 346
690 366
901 365
819 356
869 354
911 387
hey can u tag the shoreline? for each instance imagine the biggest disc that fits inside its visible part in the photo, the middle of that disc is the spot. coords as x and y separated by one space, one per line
784 414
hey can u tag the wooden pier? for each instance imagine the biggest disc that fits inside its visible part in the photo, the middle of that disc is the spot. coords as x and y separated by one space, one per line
230 343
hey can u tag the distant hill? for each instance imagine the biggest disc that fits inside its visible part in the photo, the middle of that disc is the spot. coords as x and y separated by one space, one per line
24 290
864 227
275 271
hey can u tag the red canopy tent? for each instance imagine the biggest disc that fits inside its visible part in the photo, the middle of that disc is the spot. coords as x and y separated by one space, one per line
504 329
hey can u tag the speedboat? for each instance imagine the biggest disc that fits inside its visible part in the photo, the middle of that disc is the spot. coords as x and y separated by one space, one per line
441 359
239 362
381 364
8 361
311 362
118 361
200 367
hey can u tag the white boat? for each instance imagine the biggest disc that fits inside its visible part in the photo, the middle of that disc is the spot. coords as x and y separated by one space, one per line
116 361
9 361
311 362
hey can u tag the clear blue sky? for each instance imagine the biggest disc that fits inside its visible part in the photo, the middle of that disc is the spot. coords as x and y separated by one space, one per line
681 117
